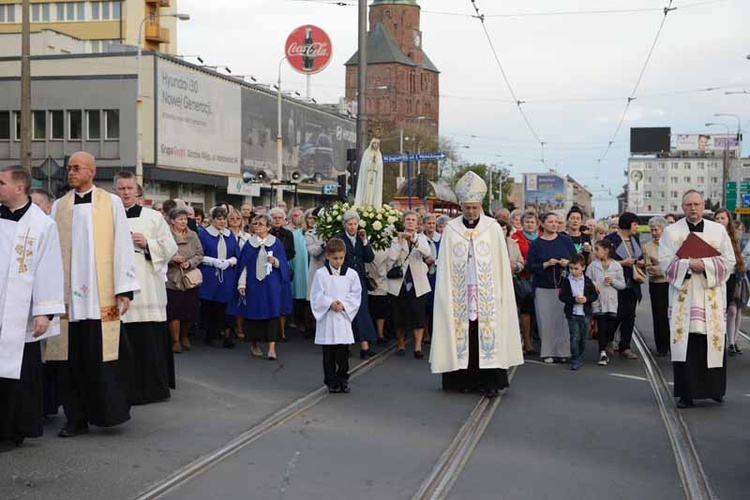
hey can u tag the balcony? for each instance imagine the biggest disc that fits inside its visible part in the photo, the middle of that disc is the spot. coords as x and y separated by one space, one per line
156 34
160 3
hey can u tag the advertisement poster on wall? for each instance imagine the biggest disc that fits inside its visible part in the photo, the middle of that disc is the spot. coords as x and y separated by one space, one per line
199 122
544 192
704 142
314 141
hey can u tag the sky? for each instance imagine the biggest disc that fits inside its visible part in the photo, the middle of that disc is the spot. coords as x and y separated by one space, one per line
573 69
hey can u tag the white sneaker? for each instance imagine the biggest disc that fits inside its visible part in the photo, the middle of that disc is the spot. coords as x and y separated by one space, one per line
603 359
549 361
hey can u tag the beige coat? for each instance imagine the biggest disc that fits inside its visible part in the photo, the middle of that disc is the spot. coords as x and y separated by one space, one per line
514 253
651 256
189 247
399 253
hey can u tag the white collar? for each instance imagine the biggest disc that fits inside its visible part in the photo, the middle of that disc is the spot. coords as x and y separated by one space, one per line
215 232
256 242
81 195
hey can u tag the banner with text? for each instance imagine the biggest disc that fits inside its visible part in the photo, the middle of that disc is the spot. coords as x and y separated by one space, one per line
199 122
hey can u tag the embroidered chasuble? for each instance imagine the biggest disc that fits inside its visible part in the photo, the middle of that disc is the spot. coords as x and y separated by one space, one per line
98 263
31 282
697 301
474 282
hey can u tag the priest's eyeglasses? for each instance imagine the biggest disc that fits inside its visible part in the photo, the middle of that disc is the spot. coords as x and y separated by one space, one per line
76 168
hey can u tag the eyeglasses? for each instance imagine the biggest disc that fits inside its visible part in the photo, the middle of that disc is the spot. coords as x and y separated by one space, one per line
76 168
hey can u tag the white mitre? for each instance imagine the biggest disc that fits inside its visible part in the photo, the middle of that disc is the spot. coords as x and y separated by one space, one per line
471 188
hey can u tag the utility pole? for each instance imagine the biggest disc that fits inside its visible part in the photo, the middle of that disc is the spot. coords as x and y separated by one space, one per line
26 85
362 81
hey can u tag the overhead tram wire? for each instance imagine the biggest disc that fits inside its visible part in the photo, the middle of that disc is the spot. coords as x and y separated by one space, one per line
632 96
519 102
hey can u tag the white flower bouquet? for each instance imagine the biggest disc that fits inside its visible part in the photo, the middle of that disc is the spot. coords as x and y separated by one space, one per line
381 224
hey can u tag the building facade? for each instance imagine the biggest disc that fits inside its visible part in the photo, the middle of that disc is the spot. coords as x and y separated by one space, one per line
656 183
403 85
100 22
202 131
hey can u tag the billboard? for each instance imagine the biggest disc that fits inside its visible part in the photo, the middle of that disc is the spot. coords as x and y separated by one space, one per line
645 140
705 142
636 180
313 140
544 192
198 121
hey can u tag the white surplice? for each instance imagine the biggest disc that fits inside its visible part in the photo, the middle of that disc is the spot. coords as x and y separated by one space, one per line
697 305
328 286
84 290
31 285
151 304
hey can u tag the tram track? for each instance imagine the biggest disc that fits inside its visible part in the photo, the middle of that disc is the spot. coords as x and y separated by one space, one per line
204 463
692 476
452 461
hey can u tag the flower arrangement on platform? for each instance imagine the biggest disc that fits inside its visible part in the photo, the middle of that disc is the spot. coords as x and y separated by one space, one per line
381 224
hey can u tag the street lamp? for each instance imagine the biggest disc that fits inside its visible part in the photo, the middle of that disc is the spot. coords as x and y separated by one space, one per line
218 67
139 99
279 140
725 166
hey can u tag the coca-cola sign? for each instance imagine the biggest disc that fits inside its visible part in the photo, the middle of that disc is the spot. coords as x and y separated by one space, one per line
308 49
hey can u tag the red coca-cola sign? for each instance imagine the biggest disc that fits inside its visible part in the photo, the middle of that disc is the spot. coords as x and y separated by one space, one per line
308 49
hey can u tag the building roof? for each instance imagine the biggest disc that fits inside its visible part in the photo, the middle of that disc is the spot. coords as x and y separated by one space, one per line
383 49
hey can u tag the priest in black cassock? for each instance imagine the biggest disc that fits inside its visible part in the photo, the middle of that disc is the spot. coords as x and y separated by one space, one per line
31 295
148 366
100 281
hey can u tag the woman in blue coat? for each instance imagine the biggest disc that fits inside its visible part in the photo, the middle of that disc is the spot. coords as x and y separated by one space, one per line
263 277
221 251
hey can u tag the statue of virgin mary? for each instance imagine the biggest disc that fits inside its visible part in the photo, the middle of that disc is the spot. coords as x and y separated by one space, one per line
370 181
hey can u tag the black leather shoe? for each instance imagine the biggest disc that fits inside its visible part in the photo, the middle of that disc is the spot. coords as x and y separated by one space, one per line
73 431
345 389
490 393
363 353
718 400
334 389
684 403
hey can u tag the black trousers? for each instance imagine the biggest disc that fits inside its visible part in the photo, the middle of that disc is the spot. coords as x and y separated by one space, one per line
659 293
22 400
474 378
626 305
213 319
606 324
336 365
693 379
91 390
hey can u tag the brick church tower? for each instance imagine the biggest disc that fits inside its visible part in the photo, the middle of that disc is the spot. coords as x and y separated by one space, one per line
402 83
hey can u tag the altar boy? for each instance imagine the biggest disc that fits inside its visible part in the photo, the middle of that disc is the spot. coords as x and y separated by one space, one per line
31 295
335 299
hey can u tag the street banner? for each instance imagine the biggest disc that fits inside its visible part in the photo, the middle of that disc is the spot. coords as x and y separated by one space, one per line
704 142
308 49
544 192
198 121
413 157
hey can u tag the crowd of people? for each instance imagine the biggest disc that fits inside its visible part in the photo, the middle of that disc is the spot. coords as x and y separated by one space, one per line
124 288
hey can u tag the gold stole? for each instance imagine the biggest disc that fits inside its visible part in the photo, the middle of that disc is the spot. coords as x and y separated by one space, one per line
104 252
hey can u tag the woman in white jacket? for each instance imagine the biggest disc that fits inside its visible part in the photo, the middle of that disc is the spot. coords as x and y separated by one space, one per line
408 292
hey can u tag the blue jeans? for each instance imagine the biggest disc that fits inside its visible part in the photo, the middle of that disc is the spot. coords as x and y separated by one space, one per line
579 332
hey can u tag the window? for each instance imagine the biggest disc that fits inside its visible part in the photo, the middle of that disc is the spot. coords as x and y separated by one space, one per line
81 11
17 122
95 11
674 208
686 179
662 179
714 179
7 13
663 208
75 125
57 129
94 121
71 11
105 10
675 165
674 194
4 126
701 165
674 179
686 165
36 12
38 125
648 194
648 166
662 166
701 180
46 12
662 194
61 12
111 124
648 207
649 180
115 10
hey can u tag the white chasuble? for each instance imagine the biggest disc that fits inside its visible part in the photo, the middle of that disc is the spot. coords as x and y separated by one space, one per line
478 256
31 285
328 286
151 303
98 264
697 304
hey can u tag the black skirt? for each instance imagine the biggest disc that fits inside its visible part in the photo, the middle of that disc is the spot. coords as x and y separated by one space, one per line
183 305
409 311
146 368
693 379
379 307
22 401
263 330
473 378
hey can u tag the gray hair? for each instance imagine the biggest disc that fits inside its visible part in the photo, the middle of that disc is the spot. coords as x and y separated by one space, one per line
517 212
349 214
177 212
428 217
264 217
657 221
443 219
276 210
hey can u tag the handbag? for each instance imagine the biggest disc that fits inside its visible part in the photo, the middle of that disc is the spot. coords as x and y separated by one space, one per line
639 275
370 283
522 288
192 279
396 272
742 289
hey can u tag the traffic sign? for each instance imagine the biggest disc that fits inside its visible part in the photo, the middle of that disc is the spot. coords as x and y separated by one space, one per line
745 200
413 157
742 210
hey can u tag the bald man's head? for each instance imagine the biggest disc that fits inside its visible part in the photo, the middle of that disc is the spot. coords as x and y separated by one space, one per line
81 171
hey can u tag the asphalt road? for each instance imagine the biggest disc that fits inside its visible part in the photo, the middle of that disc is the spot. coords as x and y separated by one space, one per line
555 434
